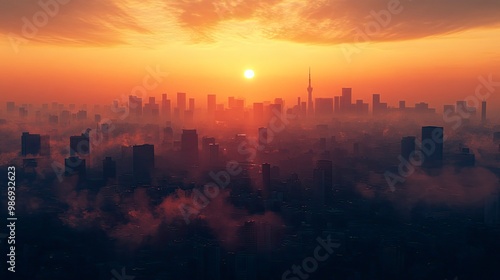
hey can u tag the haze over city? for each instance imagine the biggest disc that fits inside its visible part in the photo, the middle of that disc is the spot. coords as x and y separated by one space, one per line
277 139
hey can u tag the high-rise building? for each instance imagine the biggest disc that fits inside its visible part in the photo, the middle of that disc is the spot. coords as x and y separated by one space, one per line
45 145
346 100
258 112
483 112
30 144
205 147
448 109
407 146
324 107
75 165
189 146
135 105
432 136
165 106
213 150
376 103
402 105
266 176
461 108
181 103
492 208
211 105
191 104
108 168
310 106
79 145
323 181
11 107
263 136
143 162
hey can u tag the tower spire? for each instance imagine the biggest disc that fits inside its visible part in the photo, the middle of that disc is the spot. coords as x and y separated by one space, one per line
310 109
309 77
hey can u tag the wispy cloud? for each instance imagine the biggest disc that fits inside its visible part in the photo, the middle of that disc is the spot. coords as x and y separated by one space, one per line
318 22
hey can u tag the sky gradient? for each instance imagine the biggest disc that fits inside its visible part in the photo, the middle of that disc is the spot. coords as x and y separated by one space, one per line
76 51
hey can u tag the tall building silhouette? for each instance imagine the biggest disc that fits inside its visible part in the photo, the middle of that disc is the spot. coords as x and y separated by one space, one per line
432 136
346 100
310 106
376 103
323 181
135 105
189 146
266 176
258 113
211 106
483 112
30 144
324 107
108 168
143 162
79 145
75 165
181 104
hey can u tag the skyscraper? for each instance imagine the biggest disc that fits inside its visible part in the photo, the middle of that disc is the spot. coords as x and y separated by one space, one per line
79 145
211 105
135 105
189 146
258 113
30 144
266 176
324 107
432 136
143 161
181 103
346 100
108 168
323 181
376 103
483 112
310 108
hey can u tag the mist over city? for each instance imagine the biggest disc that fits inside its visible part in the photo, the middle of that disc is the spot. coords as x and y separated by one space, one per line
250 140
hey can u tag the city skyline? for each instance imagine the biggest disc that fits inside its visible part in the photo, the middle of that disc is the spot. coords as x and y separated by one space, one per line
250 139
373 48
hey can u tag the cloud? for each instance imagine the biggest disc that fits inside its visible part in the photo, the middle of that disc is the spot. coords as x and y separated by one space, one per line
68 22
338 21
96 22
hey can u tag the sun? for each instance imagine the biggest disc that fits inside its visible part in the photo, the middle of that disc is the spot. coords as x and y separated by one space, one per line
249 73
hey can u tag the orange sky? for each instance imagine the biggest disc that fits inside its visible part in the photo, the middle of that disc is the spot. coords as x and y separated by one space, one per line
97 51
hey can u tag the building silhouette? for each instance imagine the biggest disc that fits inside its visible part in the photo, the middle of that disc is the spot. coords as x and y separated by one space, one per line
108 168
310 106
30 144
432 136
324 107
79 145
135 106
323 182
143 162
189 146
483 112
